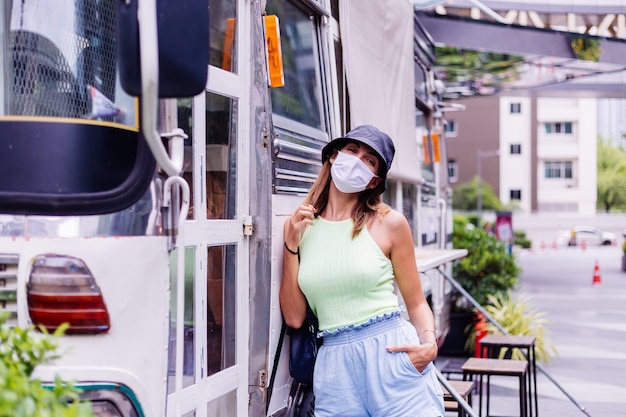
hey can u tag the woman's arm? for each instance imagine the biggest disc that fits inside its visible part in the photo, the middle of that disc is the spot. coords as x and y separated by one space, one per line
402 255
292 300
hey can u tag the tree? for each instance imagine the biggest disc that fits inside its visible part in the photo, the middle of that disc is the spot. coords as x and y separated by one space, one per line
611 171
464 196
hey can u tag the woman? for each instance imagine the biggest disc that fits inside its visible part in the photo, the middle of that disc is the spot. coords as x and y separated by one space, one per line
343 250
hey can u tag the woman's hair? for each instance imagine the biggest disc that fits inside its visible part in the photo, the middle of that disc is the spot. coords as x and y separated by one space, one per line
369 203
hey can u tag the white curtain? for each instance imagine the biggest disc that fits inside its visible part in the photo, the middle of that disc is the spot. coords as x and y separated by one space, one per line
377 41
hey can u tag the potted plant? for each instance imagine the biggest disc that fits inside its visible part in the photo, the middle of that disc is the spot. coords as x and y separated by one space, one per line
488 268
518 318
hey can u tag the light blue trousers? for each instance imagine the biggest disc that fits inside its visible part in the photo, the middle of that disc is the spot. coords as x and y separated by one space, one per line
355 376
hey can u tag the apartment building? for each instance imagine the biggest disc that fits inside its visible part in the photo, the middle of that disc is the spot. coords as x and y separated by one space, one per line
538 154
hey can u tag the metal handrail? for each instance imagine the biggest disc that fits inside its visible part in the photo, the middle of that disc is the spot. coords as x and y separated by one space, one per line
460 400
480 308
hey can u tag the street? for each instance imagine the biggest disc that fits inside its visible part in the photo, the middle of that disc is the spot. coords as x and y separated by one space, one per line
588 329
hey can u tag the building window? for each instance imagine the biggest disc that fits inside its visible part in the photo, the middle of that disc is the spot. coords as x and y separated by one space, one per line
516 194
516 108
558 169
451 128
453 170
558 127
516 149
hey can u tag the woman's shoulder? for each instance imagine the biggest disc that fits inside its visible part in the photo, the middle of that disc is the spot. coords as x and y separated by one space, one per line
393 219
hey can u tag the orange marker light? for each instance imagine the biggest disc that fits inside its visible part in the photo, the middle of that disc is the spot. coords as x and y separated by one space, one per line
436 150
274 52
426 150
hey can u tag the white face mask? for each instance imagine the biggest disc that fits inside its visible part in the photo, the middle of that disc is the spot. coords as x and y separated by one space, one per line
350 174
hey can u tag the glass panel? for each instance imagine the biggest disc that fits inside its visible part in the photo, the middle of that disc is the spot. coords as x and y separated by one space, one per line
185 122
300 98
221 161
452 170
421 83
224 406
568 170
568 127
221 312
189 369
223 34
409 208
425 148
63 59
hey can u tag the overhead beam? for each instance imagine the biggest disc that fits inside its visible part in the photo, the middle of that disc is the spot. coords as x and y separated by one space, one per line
488 36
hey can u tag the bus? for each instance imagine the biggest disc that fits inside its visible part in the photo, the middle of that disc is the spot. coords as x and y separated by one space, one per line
149 156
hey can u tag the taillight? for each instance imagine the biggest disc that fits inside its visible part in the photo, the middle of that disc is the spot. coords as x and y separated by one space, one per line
61 289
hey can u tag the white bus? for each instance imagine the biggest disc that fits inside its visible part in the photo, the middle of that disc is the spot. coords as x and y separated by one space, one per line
173 314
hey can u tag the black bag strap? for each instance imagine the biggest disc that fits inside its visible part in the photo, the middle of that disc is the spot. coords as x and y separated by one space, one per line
270 386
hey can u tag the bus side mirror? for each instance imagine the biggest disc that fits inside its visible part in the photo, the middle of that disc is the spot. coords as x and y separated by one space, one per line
183 38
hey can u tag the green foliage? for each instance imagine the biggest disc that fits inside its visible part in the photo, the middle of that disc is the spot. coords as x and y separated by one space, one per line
465 195
611 187
486 67
519 239
21 350
518 318
488 268
586 48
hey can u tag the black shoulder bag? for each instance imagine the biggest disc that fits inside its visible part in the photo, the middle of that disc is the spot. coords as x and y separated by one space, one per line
303 345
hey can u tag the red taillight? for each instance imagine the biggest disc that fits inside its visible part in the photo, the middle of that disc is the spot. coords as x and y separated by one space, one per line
61 289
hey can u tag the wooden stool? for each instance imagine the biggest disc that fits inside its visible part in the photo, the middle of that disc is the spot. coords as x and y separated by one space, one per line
490 347
464 389
501 367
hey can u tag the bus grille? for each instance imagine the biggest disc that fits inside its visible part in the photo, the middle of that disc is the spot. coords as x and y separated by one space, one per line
8 286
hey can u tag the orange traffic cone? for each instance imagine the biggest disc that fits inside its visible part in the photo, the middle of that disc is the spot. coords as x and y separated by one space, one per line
597 279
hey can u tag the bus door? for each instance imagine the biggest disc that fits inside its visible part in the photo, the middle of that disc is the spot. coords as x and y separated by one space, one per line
216 332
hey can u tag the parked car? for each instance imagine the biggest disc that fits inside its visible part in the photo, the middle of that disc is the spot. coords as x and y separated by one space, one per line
591 236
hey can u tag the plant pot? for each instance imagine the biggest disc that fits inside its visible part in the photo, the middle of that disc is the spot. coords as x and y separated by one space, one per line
624 263
455 342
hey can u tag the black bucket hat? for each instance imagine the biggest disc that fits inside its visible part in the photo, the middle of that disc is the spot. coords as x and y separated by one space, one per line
369 135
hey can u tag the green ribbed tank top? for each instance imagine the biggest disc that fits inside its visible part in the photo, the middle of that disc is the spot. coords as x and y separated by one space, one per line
346 281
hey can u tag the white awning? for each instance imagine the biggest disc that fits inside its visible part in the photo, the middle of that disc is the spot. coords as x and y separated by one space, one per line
377 41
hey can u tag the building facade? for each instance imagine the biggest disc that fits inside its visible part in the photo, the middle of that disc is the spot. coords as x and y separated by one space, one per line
538 154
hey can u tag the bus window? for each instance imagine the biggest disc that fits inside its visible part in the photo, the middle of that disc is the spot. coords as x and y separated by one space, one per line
300 99
425 147
298 108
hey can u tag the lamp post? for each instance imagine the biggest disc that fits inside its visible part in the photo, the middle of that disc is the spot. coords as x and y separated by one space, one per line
480 155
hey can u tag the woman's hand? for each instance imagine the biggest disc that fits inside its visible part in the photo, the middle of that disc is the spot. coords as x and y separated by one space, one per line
420 355
296 224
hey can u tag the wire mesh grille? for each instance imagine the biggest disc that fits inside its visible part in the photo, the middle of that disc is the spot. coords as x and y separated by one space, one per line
64 59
